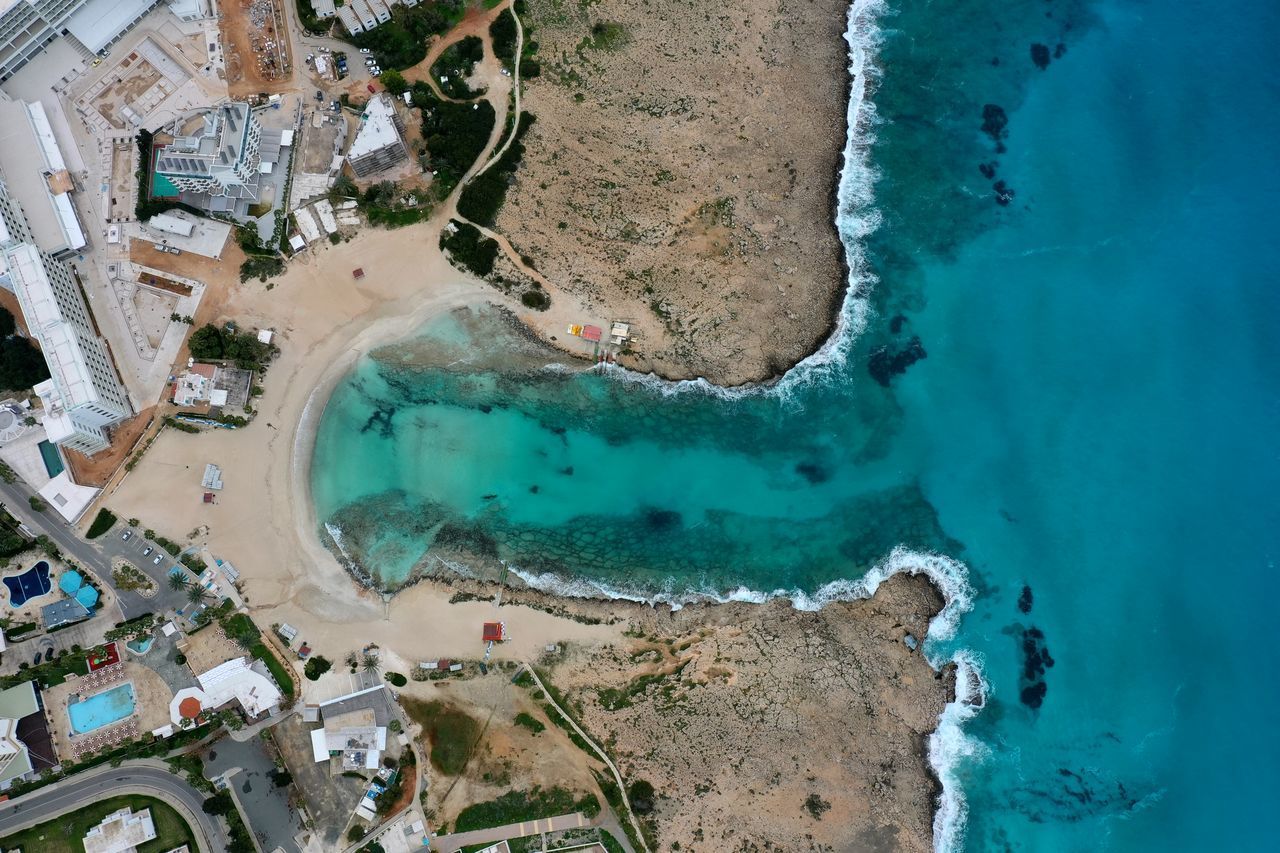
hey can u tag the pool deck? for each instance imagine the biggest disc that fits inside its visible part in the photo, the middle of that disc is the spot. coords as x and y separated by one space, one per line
30 610
151 697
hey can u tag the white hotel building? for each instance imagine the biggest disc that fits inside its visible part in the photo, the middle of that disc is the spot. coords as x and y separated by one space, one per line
83 396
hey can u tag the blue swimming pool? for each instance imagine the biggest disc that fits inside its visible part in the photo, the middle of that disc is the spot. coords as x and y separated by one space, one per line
51 458
101 709
32 583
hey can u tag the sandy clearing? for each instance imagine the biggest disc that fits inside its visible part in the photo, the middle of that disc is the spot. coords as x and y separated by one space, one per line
263 521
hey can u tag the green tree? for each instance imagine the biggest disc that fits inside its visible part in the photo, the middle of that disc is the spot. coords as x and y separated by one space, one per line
394 81
197 595
37 504
206 342
178 581
370 663
7 324
21 364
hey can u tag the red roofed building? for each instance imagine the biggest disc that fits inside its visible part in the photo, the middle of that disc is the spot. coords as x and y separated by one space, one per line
494 632
592 333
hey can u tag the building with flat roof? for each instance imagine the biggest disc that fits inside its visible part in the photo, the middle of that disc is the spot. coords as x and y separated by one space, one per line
27 26
35 176
354 730
82 397
25 745
63 612
379 143
121 832
214 154
323 8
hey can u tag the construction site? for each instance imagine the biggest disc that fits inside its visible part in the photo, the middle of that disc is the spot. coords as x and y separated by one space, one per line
256 47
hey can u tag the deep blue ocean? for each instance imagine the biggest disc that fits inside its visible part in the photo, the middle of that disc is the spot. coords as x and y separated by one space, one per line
1078 230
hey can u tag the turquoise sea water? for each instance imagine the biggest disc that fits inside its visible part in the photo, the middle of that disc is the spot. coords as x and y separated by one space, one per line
1091 433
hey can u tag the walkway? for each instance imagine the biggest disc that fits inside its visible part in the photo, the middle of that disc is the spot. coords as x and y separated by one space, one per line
617 777
450 843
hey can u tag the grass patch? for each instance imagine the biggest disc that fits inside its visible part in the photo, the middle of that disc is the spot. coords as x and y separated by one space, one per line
469 248
521 806
278 671
102 522
607 35
66 833
451 732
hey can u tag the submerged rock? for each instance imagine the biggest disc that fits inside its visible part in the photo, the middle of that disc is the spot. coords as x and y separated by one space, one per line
884 365
1040 55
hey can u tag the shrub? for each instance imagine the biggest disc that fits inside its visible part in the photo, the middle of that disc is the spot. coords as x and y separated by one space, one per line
455 64
468 247
261 267
640 793
37 504
102 522
455 134
483 195
395 679
316 667
530 722
535 299
503 33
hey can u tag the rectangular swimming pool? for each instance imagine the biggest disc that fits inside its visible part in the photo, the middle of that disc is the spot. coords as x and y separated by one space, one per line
101 709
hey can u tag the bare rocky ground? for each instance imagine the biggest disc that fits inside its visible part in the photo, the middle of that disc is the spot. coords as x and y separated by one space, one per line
762 727
680 174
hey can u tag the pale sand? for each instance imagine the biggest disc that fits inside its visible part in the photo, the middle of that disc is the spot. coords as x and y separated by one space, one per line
263 521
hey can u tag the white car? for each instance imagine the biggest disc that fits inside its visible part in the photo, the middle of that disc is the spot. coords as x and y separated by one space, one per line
364 50
157 560
371 61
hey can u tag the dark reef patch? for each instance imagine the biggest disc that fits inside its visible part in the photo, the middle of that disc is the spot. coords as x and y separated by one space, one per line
1025 600
988 170
660 520
1036 661
995 124
885 364
1040 55
813 472
1004 193
380 419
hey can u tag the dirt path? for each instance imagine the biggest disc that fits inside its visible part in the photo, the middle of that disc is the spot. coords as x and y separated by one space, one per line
475 23
515 90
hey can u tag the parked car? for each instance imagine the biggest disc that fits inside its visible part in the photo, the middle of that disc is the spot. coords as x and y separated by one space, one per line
147 551
126 536
370 62
364 50
319 95
157 559
48 654
36 660
371 89
323 49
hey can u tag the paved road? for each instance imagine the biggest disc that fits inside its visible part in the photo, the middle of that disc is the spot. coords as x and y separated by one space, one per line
97 556
85 788
450 843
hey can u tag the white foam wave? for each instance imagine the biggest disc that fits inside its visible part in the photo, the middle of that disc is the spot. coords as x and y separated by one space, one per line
856 217
948 745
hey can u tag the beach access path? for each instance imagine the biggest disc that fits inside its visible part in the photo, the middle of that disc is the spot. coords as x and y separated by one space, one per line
458 840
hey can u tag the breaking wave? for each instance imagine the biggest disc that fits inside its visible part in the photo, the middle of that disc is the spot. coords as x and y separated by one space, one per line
856 217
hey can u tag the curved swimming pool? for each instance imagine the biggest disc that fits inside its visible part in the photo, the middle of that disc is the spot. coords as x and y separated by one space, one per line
30 584
101 709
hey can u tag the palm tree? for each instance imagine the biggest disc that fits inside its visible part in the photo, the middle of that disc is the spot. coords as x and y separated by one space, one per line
197 595
370 663
178 581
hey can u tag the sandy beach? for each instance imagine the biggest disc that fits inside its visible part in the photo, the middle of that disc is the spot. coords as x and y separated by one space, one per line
263 523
